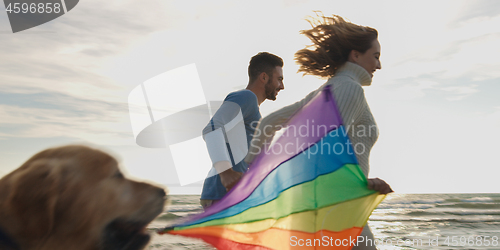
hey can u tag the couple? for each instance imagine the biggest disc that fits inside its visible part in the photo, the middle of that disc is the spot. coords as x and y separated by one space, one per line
345 53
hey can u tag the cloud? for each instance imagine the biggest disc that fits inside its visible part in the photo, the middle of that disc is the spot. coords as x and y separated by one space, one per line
51 83
460 92
437 84
55 79
477 10
66 54
456 69
45 115
431 46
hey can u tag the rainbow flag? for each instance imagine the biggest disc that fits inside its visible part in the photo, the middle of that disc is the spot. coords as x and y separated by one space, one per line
305 191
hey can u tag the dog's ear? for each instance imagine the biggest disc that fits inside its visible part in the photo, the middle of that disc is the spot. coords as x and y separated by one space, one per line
34 194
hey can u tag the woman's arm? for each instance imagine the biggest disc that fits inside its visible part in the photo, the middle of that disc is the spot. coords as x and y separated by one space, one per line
267 127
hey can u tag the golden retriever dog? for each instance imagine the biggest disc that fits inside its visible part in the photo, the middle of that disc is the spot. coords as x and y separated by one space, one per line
75 197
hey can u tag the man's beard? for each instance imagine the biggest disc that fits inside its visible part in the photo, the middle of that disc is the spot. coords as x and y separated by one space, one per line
270 91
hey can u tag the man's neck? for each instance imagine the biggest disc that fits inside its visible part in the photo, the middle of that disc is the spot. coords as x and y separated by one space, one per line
258 92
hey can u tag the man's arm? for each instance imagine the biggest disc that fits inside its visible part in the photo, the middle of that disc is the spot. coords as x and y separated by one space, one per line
228 176
216 140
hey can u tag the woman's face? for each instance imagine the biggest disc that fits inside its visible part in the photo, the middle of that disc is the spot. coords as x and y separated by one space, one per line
370 60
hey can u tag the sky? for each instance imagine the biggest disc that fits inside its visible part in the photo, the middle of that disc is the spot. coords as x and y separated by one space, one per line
435 99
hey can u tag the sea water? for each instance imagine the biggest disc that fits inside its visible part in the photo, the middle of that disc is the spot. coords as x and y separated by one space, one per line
401 221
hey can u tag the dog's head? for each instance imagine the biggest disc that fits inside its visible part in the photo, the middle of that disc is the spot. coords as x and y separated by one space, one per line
75 197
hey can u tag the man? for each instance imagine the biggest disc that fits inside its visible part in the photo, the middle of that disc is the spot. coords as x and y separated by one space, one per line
229 132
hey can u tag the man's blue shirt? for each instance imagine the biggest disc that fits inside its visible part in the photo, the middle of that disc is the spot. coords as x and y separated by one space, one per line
248 104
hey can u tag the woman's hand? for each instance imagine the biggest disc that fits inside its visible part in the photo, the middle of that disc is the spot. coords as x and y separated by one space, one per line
379 185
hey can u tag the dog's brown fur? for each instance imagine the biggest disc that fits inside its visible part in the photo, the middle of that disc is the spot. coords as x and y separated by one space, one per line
65 197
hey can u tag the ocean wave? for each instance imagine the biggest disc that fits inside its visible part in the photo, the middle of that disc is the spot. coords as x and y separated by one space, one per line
478 199
168 216
459 204
475 205
476 219
416 201
422 213
474 212
404 206
184 208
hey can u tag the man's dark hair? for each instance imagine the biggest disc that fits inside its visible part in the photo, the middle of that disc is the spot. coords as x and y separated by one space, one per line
263 62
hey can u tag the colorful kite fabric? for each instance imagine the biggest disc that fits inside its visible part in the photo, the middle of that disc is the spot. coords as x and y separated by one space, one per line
305 191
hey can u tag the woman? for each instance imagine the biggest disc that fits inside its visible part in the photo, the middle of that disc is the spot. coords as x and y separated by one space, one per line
348 55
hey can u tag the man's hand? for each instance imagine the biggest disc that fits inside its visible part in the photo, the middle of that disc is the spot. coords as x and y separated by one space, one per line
228 176
379 185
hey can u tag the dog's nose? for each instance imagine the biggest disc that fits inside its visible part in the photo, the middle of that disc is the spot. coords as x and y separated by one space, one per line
162 192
